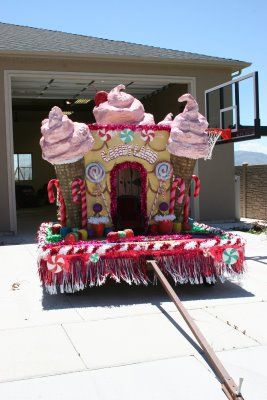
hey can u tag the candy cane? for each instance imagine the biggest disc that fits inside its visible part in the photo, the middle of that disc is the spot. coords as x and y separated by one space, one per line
186 209
104 200
50 191
60 199
78 187
155 200
62 208
187 201
181 183
197 185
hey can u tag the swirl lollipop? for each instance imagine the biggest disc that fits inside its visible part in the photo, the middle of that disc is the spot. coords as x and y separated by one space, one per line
95 173
163 171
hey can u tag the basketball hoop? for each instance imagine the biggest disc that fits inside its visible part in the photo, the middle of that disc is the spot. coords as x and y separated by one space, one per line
213 134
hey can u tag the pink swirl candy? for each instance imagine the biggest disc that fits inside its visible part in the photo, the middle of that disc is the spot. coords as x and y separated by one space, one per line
64 140
188 136
121 108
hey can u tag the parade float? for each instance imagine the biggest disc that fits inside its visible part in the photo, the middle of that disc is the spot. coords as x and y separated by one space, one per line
122 188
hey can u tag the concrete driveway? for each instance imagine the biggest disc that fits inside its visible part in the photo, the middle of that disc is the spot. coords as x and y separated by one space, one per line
119 342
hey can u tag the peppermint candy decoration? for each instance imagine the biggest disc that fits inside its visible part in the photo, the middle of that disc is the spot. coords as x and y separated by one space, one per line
105 135
94 257
55 263
230 256
163 171
127 135
147 136
95 172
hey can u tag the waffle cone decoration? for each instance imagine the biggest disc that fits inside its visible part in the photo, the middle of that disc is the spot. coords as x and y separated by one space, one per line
66 174
188 142
64 144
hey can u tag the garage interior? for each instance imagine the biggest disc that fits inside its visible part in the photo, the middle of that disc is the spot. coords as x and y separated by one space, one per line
32 99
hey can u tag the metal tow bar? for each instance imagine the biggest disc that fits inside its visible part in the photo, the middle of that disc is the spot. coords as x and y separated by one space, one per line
231 390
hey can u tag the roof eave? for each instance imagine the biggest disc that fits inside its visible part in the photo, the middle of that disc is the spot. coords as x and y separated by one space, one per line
234 65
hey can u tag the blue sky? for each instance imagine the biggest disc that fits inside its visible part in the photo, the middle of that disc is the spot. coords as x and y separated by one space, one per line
231 29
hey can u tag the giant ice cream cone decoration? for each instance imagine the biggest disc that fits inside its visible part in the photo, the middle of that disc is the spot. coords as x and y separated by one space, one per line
188 142
64 143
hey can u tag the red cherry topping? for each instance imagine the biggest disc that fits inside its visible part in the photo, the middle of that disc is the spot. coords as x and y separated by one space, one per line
100 97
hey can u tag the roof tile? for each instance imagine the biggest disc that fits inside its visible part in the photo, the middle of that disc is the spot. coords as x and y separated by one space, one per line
27 39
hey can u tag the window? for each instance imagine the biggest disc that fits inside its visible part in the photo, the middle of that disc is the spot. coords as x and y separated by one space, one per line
23 167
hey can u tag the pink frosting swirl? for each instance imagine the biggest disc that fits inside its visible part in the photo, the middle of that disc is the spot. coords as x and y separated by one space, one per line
147 120
188 136
64 140
167 121
121 108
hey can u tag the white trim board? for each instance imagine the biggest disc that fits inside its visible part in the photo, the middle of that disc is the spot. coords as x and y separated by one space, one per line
10 152
9 74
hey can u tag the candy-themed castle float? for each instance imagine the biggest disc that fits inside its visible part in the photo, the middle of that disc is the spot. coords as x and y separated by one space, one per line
122 190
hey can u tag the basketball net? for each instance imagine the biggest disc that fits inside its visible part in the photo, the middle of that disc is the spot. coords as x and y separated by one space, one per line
213 135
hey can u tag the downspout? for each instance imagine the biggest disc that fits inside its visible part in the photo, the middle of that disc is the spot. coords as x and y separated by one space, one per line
236 74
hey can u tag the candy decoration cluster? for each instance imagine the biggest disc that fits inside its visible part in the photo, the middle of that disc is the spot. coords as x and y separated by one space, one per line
115 236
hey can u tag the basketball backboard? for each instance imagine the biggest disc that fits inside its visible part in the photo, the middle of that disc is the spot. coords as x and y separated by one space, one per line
234 107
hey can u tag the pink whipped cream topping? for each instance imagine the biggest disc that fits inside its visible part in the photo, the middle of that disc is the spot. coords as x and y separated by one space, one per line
167 120
147 120
64 140
121 108
188 136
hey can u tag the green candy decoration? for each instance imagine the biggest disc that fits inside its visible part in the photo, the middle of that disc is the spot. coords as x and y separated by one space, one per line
94 257
230 256
127 135
122 234
53 238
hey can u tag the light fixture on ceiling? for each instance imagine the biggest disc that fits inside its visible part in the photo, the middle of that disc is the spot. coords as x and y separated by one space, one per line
68 112
68 102
82 101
